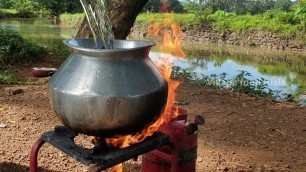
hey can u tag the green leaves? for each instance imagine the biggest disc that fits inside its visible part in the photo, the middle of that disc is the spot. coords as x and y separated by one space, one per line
300 14
57 7
26 8
239 83
14 49
7 78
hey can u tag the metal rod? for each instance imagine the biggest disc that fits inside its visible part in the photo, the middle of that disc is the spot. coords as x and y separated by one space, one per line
33 156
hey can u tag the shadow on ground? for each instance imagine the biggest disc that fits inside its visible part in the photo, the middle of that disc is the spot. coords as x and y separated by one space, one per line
12 167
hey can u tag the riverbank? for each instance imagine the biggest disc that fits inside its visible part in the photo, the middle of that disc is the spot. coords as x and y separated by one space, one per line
7 13
273 30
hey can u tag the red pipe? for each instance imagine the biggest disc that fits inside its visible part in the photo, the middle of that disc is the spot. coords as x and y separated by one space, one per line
34 154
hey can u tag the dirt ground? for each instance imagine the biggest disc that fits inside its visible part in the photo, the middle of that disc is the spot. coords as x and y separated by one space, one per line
242 133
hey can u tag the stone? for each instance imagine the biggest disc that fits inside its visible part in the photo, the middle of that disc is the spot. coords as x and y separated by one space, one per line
2 125
17 91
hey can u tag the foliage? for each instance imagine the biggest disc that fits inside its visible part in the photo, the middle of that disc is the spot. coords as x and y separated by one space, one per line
239 7
164 6
273 20
280 16
282 24
6 3
72 19
239 83
283 5
57 7
183 19
300 15
7 78
26 8
14 49
60 50
2 14
205 15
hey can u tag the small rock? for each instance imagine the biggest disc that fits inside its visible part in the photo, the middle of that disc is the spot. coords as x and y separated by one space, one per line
181 103
17 91
2 125
199 159
287 166
223 168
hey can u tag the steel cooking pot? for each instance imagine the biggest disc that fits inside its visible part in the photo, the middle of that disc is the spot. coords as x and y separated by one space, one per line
106 92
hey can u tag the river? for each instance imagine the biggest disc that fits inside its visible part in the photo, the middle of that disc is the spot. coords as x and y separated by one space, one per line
285 72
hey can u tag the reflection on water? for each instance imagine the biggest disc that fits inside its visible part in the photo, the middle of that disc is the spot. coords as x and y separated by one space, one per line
208 67
285 76
42 30
285 71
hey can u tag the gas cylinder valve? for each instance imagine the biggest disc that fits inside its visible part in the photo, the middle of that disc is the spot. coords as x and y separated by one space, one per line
193 127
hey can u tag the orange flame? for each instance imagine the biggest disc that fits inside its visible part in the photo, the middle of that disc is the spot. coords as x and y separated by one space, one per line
117 168
165 66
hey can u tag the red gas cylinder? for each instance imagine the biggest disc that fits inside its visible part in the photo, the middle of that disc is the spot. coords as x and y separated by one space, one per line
182 155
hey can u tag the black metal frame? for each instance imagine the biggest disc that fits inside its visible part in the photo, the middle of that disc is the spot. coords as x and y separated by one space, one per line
98 158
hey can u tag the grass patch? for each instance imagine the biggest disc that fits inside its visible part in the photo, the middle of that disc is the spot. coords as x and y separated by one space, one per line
7 13
258 22
276 21
14 49
71 19
10 11
272 21
7 78
182 19
2 14
239 83
60 50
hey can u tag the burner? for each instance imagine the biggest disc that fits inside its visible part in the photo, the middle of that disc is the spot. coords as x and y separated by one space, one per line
100 156
172 149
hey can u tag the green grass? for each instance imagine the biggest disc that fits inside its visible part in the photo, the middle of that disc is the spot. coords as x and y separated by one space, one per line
60 50
7 13
71 19
280 22
183 19
10 11
14 49
258 22
239 83
273 21
7 78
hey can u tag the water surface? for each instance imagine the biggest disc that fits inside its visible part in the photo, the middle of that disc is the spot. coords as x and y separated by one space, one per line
42 30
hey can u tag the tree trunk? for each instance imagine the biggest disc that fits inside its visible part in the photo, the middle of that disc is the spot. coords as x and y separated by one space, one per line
123 14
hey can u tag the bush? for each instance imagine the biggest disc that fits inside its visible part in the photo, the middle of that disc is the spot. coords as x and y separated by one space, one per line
283 23
72 19
14 49
26 8
2 14
182 19
280 16
60 50
7 78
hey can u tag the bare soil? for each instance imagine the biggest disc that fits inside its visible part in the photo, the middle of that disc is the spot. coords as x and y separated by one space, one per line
242 133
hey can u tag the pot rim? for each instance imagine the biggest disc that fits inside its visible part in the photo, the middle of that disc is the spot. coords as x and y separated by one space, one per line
120 45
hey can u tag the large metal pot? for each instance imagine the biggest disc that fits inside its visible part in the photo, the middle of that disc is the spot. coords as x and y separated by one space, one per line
105 92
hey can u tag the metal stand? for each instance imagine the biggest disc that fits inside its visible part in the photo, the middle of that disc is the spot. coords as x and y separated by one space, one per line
63 139
34 153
